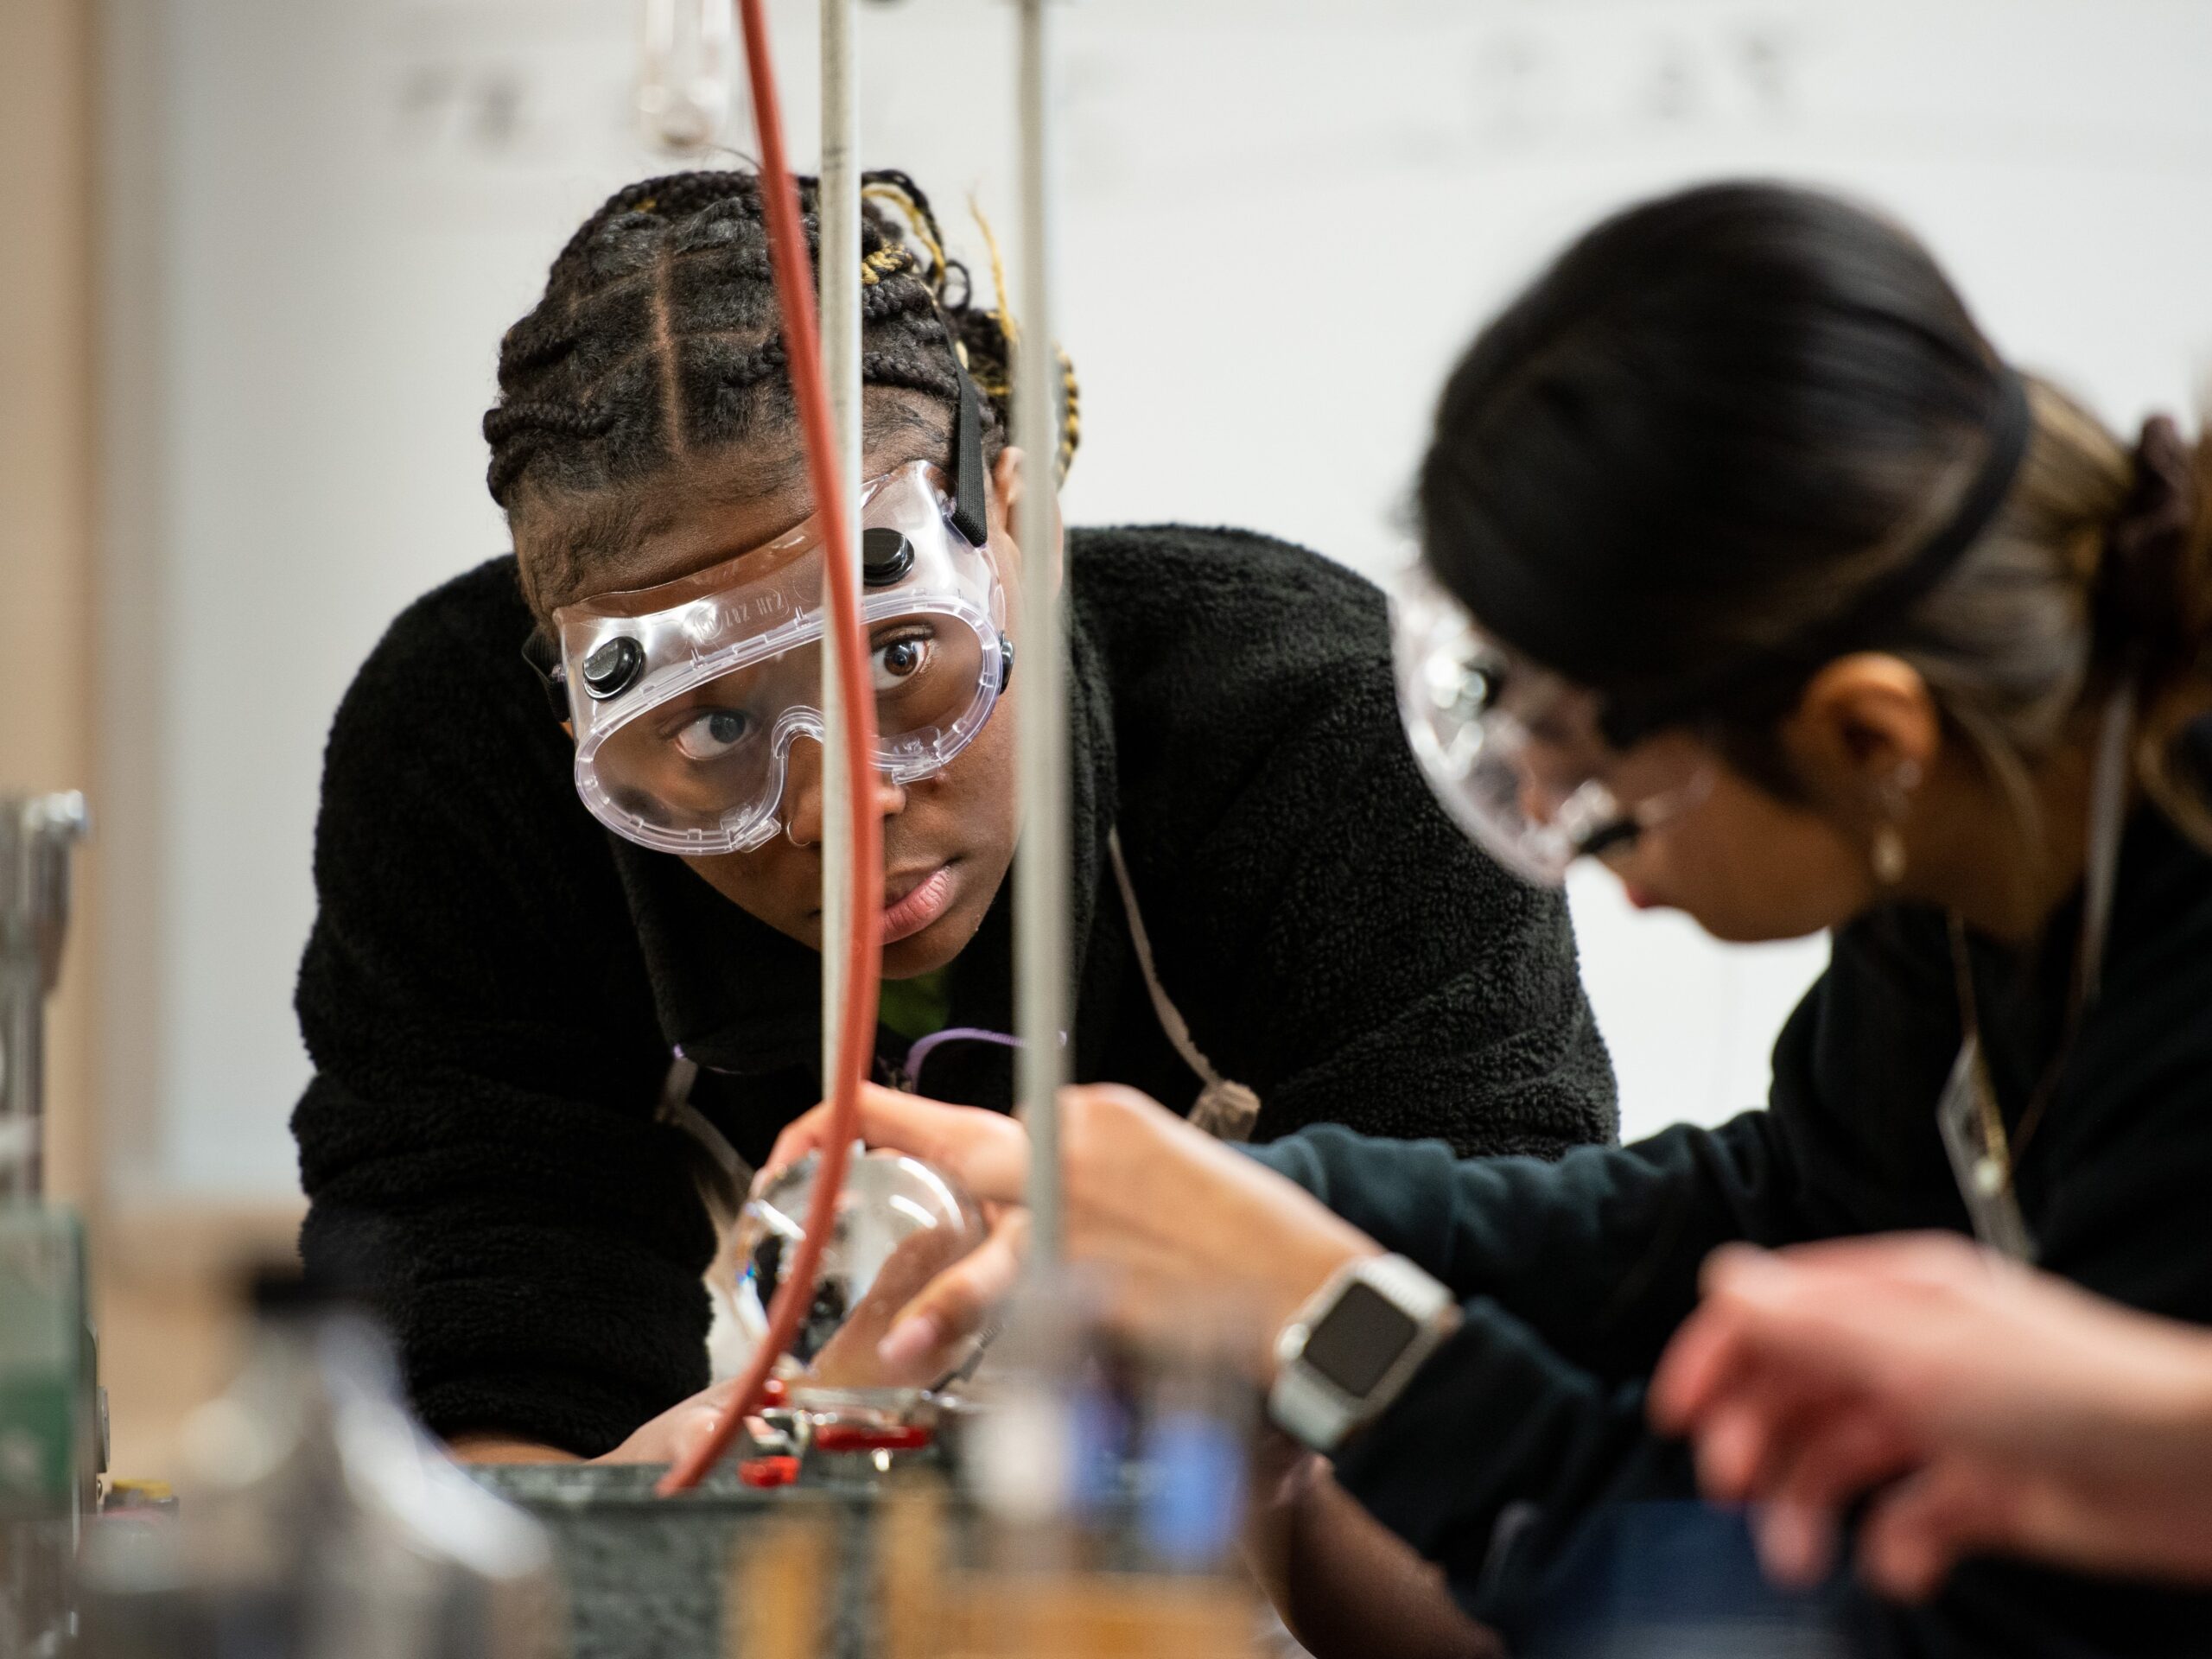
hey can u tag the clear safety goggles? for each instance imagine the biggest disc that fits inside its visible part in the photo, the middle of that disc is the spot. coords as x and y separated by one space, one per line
686 698
1516 753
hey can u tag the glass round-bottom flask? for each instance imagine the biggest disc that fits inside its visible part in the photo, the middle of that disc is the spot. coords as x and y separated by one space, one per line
900 1223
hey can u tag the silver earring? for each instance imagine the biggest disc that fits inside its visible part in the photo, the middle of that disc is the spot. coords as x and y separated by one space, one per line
1887 854
792 838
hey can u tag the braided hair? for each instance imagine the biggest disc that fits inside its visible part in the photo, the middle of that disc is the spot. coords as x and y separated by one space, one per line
657 340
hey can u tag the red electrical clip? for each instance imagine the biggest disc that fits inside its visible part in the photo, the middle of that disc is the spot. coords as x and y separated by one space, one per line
767 1472
856 1437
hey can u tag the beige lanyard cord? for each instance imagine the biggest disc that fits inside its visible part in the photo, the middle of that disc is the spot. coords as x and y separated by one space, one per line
1225 1110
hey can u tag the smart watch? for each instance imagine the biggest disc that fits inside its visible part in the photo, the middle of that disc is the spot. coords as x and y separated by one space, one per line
1345 1354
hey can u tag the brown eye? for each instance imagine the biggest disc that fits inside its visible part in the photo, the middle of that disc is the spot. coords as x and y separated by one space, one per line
898 661
712 734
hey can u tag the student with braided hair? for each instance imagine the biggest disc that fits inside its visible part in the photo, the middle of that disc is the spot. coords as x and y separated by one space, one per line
559 947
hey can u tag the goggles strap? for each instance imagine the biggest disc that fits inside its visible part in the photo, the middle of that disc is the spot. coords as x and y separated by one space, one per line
544 660
969 516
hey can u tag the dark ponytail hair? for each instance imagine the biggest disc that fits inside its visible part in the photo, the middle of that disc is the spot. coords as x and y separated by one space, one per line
657 342
1725 420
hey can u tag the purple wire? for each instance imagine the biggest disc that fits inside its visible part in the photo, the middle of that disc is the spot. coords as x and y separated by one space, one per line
921 1052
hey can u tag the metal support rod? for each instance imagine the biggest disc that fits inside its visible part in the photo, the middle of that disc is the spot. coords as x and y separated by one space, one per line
37 835
1041 889
840 277
22 1052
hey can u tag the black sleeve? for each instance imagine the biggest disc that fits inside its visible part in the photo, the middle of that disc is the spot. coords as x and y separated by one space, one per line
1332 938
477 1144
1599 1253
1530 1418
1535 1445
1573 1274
1596 1255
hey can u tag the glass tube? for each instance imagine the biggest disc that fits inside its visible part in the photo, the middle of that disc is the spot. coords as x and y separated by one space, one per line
687 72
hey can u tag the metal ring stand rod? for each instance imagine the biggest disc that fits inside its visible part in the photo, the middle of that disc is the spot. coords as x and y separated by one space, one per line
1041 870
840 277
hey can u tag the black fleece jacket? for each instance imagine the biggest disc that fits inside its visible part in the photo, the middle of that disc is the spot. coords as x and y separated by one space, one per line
1575 1272
494 985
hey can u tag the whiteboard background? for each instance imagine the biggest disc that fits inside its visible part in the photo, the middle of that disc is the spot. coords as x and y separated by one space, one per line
1281 221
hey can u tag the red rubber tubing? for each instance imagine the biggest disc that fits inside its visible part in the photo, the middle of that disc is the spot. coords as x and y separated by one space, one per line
794 277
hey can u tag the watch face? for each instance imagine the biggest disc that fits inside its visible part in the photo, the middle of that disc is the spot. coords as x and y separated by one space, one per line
1359 1339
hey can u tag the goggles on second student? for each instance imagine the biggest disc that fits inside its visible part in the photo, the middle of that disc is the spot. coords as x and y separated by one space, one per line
686 698
1516 753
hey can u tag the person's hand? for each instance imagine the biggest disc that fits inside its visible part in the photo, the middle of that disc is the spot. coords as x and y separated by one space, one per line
1183 1229
986 1152
919 1325
939 1306
914 1326
1165 1211
679 1431
1989 1408
666 1438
